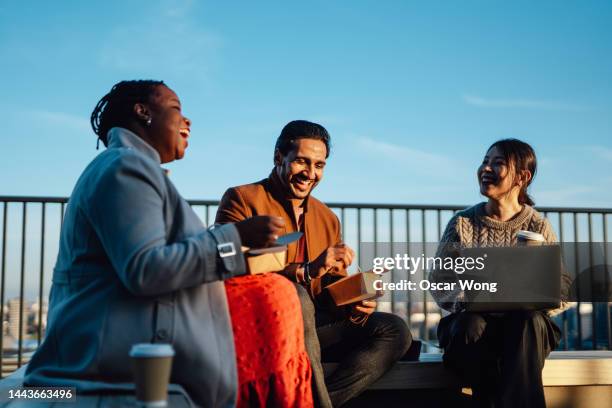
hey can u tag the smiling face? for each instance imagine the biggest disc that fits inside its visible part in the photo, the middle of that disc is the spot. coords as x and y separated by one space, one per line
169 129
496 176
301 169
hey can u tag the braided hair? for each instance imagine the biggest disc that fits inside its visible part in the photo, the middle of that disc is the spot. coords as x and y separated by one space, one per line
116 107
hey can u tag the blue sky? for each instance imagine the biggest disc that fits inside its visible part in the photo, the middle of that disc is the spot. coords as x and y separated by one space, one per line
411 92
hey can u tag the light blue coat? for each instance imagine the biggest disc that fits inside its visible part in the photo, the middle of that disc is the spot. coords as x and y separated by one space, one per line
135 265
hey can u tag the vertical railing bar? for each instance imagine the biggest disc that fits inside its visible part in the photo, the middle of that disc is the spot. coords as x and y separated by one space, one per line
342 224
4 218
391 254
24 221
560 219
42 271
425 334
564 314
375 232
607 277
359 237
409 300
590 266
577 266
207 214
62 210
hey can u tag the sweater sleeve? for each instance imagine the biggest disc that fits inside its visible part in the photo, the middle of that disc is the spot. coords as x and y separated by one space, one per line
551 238
448 247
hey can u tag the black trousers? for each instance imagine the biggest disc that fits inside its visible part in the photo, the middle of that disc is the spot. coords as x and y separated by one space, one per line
500 356
363 353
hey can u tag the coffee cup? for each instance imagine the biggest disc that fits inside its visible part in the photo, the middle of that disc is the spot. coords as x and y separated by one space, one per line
151 365
529 238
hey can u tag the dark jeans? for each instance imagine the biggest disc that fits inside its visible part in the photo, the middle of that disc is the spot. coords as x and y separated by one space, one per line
364 353
500 356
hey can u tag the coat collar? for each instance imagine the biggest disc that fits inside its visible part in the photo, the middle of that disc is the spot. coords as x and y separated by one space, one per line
122 137
277 191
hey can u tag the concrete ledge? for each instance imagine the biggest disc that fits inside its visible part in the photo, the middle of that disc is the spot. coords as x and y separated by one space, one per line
562 368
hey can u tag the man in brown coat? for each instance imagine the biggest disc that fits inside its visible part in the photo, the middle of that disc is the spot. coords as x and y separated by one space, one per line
364 342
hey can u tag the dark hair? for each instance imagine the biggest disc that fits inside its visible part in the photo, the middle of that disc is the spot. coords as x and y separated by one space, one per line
521 156
116 107
301 129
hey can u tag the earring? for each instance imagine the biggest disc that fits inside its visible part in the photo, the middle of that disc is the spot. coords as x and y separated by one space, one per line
148 122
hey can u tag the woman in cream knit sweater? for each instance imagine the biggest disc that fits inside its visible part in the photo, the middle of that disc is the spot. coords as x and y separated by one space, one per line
500 355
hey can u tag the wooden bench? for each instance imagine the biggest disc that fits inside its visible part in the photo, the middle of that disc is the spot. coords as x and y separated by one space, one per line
571 379
562 368
574 369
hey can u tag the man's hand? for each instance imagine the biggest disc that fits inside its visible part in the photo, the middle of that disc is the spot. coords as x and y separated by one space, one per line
365 307
336 257
360 312
260 231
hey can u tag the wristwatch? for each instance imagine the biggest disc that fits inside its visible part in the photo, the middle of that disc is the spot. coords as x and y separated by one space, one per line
307 277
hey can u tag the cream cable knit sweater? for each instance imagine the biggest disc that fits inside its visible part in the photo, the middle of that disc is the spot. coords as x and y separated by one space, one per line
473 228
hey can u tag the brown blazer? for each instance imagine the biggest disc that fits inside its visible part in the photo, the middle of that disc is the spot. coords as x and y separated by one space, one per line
266 197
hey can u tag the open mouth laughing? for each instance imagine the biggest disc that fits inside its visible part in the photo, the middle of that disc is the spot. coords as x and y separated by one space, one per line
302 183
184 132
487 179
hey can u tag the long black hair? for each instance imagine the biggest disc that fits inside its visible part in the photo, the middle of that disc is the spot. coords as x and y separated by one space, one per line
116 107
520 156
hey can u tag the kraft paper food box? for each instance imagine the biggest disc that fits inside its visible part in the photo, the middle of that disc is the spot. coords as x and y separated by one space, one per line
354 288
271 259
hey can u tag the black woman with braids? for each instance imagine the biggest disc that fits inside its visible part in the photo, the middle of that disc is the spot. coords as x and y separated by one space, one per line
136 265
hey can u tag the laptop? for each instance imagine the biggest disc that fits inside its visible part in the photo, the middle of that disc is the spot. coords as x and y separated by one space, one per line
513 278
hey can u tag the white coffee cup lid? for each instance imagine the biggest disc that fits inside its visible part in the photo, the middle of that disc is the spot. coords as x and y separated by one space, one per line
530 236
151 350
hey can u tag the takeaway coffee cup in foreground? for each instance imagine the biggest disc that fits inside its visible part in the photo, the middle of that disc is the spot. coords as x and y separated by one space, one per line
529 238
151 364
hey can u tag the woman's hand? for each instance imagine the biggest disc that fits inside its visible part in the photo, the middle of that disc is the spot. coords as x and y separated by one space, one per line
260 231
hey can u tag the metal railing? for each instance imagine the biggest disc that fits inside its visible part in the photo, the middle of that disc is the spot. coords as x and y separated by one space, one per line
29 244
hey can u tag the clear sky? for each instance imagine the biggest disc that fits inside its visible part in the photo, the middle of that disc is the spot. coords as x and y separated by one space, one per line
411 92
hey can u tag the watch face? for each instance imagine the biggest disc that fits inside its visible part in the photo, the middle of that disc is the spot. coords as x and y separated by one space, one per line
307 277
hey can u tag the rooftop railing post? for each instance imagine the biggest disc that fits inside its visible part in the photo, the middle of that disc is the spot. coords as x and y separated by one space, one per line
42 274
393 306
62 211
607 280
2 281
593 303
425 334
375 220
24 220
359 236
577 268
408 300
563 315
342 224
